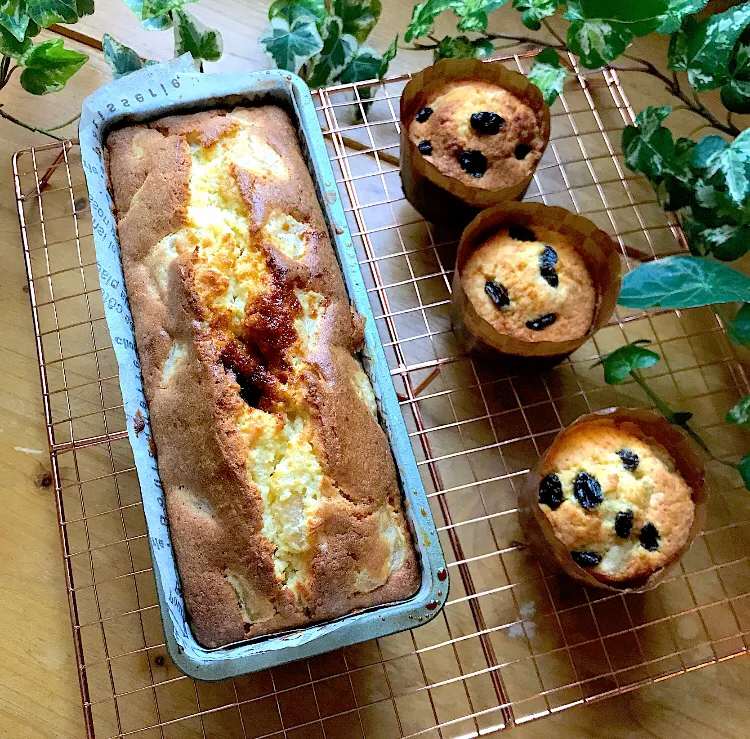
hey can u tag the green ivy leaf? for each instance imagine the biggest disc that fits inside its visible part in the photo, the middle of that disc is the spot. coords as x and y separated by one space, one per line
710 47
474 14
359 16
675 190
703 230
48 66
650 149
373 66
733 162
707 196
683 282
677 11
368 64
639 16
338 50
291 46
14 18
727 242
649 120
601 30
290 10
190 35
706 148
740 62
743 467
621 362
739 414
388 56
423 16
364 65
460 47
11 46
548 74
122 60
738 329
679 42
735 95
157 23
597 43
533 12
48 12
159 8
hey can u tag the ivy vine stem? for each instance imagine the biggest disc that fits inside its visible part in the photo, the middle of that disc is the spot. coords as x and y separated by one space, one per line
674 88
663 407
553 33
28 127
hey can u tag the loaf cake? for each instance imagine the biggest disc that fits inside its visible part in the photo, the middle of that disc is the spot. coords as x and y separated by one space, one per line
479 133
280 488
530 283
616 500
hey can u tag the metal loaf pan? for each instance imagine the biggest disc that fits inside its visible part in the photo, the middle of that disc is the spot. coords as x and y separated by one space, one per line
173 88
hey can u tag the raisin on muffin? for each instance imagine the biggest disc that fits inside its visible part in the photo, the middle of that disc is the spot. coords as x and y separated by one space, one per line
531 284
479 133
616 501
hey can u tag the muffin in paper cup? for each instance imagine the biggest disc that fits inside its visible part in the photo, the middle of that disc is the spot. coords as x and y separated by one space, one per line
447 200
649 428
591 246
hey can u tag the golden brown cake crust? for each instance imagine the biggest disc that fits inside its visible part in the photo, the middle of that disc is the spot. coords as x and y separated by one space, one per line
449 132
515 265
231 371
646 509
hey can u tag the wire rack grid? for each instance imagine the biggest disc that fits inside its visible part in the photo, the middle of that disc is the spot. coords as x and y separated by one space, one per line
514 642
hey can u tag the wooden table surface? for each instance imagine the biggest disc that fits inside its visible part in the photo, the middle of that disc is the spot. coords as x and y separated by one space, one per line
39 694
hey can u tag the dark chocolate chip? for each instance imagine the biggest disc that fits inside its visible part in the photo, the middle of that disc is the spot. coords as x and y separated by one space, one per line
425 148
423 115
587 490
586 559
473 162
486 122
521 233
521 151
539 324
550 491
547 263
629 459
649 537
623 524
498 294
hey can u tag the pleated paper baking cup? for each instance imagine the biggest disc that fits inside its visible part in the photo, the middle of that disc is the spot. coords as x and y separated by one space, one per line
439 198
594 246
650 428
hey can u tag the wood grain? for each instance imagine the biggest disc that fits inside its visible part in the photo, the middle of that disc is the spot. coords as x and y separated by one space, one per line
39 695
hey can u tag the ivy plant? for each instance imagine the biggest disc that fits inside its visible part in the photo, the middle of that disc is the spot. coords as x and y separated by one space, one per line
628 361
190 35
44 66
325 42
704 179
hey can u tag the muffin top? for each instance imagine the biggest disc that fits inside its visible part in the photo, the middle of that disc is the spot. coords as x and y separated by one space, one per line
479 133
616 500
531 284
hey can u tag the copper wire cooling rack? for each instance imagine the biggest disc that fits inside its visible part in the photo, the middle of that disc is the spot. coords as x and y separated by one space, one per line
514 642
